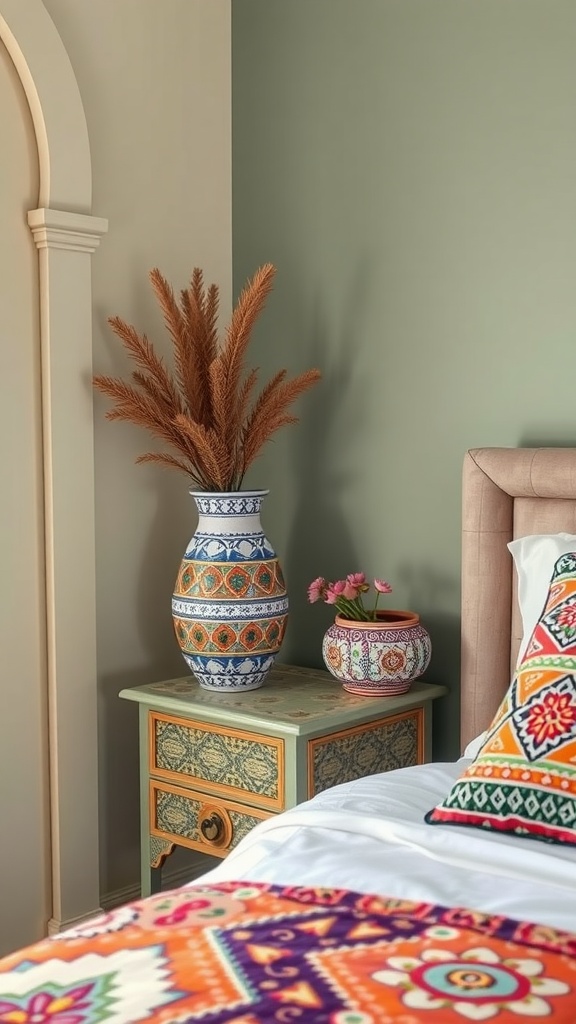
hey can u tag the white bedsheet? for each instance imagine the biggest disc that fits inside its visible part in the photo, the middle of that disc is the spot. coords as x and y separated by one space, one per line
370 836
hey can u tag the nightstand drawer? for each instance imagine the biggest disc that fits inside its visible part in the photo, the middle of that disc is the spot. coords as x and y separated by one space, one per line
349 754
196 820
226 762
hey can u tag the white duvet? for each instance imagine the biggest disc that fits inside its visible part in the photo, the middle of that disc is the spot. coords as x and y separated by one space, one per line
370 836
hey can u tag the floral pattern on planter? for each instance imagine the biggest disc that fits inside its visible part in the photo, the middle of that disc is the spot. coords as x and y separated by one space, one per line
377 658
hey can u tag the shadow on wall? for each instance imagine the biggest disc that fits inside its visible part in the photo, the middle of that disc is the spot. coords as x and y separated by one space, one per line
160 658
427 590
118 782
320 541
445 669
174 523
548 442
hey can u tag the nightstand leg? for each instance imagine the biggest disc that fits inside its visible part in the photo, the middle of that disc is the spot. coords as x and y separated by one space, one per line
155 851
150 877
146 869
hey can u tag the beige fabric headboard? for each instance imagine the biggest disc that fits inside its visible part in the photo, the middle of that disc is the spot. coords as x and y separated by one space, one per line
506 493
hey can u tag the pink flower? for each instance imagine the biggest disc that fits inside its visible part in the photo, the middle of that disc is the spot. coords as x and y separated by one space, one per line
356 579
316 590
347 596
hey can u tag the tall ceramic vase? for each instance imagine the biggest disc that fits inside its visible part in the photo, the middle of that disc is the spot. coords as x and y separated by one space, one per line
230 605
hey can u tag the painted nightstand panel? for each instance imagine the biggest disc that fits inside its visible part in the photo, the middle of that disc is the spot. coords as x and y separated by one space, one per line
183 817
228 762
213 765
242 824
365 750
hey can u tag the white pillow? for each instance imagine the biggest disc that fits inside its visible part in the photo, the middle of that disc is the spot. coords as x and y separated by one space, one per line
475 745
534 558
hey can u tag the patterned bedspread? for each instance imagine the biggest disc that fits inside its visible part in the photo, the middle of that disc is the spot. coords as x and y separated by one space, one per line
247 954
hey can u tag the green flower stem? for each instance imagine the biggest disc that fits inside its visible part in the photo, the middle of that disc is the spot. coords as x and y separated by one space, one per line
352 609
367 616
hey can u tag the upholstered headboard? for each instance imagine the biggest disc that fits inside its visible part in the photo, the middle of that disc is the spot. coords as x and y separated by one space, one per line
506 493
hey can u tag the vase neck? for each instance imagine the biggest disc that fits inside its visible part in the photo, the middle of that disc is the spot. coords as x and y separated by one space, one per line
230 506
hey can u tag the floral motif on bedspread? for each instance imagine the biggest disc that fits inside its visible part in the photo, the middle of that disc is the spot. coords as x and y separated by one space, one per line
237 953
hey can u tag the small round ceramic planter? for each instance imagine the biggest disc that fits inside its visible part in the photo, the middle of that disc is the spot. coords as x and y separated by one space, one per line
376 659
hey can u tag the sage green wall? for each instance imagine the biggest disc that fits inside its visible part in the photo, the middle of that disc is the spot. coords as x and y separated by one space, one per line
410 168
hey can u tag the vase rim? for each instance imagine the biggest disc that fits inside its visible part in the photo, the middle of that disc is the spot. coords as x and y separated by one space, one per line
252 493
386 617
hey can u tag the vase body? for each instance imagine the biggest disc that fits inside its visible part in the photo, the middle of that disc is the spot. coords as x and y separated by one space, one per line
381 658
229 605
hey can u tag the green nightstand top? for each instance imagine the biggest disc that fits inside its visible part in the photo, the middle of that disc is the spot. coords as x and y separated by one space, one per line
293 699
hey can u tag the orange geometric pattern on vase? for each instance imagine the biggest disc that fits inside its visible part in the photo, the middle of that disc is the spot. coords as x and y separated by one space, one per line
224 637
193 636
186 579
275 631
224 581
251 636
237 581
181 630
212 581
263 636
264 578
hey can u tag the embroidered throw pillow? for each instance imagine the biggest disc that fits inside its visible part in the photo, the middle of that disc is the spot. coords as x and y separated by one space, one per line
524 777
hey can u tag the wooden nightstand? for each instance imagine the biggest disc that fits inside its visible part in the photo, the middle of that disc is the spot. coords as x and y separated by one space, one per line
212 765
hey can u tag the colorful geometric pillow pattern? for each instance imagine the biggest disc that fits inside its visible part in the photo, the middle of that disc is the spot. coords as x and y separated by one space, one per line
524 777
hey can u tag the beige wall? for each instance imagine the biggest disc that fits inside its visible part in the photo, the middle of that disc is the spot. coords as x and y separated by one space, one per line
24 907
155 84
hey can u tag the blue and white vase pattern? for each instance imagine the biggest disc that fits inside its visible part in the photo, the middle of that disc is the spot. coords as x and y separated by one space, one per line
230 605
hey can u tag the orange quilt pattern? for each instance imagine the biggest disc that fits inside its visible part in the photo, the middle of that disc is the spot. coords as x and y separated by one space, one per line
237 953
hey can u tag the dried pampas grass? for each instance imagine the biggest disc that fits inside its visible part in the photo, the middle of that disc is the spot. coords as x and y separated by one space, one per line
205 410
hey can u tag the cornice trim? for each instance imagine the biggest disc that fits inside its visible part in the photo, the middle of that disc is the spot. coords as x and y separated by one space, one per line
63 229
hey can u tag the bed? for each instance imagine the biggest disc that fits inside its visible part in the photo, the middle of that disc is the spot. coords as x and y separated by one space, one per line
353 908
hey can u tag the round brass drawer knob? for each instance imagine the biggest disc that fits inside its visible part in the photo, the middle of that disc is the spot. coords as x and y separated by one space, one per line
212 828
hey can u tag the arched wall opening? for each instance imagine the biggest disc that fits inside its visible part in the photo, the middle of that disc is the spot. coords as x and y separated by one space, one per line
66 234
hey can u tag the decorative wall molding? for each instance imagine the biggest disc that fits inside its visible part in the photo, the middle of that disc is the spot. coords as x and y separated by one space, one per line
57 229
44 68
66 235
